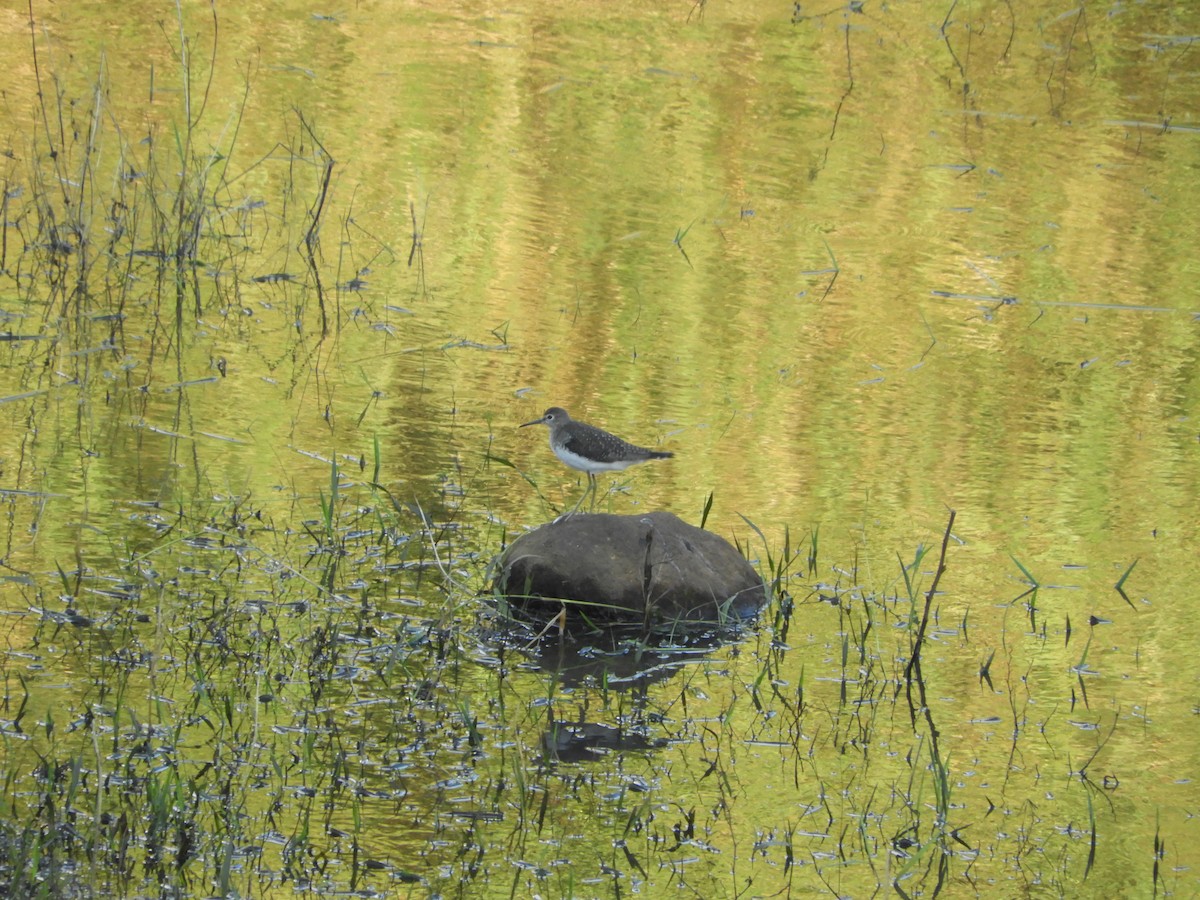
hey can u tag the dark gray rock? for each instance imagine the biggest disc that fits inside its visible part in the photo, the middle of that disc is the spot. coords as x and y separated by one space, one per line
650 569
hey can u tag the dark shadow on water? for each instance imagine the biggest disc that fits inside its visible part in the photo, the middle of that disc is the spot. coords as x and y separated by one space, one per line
621 659
572 742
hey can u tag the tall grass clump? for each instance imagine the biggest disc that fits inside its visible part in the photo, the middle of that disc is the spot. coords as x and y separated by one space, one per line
113 230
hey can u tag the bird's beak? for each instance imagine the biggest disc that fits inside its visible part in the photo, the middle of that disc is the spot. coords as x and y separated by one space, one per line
534 422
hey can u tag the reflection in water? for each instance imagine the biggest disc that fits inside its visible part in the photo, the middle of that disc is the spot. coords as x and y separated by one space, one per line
272 328
573 742
623 658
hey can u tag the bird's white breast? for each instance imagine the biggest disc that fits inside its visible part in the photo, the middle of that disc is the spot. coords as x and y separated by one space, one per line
583 464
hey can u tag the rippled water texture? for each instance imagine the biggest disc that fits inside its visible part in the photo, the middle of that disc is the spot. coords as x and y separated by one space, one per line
278 283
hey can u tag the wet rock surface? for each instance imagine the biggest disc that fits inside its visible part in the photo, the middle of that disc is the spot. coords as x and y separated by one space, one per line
652 568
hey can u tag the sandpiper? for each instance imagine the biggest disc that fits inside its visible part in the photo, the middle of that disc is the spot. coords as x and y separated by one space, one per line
590 449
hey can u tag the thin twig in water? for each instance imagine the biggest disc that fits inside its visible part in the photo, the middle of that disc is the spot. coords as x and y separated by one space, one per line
836 271
932 339
1120 585
311 237
914 660
680 234
417 250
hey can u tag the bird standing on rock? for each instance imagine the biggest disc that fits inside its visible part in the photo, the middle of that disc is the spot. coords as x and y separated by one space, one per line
590 449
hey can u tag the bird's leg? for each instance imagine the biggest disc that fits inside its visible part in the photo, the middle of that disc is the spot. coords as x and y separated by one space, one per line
592 488
582 496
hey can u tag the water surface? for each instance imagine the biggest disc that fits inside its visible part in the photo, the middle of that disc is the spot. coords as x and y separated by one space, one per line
855 266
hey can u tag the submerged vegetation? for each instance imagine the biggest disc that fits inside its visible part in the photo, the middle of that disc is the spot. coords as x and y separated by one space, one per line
327 709
209 691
